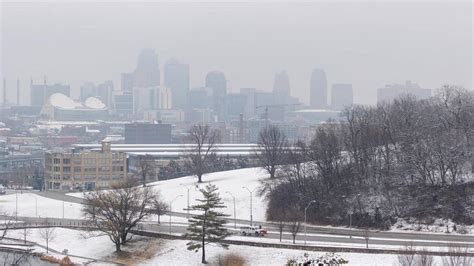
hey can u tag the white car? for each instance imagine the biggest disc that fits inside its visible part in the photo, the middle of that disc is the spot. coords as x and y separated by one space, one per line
252 231
3 191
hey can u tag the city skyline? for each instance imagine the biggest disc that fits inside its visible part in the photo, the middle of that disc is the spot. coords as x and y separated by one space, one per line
249 56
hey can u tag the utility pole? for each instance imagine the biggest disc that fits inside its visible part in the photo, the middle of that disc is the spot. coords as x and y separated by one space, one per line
251 207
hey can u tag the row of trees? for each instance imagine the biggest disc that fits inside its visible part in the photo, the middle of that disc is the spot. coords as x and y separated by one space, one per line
408 158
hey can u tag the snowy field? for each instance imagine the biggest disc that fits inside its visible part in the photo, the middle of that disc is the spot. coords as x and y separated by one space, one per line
147 251
32 205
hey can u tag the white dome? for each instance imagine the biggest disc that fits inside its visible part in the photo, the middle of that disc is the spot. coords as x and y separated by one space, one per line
60 100
94 103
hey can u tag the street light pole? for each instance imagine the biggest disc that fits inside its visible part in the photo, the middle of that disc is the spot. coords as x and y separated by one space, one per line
305 210
188 188
235 217
171 203
63 209
16 205
251 207
350 224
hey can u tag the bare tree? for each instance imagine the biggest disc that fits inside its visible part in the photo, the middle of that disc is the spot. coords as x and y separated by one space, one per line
48 234
366 235
424 259
271 149
408 258
17 257
117 211
6 224
160 206
294 218
145 168
199 157
295 226
458 255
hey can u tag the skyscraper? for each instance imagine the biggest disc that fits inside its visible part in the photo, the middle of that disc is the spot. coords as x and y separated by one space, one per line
281 88
176 77
341 96
318 89
147 72
216 81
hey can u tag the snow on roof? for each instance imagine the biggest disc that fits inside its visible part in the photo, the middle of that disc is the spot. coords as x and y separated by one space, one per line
94 103
316 111
60 100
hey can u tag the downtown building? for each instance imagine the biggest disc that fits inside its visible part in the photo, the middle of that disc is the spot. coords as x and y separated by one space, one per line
341 96
318 90
84 169
393 91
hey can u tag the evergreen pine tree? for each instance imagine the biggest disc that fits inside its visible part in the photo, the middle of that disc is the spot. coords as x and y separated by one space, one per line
207 226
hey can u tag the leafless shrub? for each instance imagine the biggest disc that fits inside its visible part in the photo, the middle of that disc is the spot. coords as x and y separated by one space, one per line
424 259
457 256
408 258
231 259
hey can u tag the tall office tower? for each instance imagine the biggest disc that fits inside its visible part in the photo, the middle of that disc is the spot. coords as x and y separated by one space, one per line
151 98
40 93
218 84
147 72
176 77
318 89
391 92
281 88
341 96
127 81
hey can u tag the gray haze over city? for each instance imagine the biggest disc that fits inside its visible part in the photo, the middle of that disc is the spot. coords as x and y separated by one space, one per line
366 44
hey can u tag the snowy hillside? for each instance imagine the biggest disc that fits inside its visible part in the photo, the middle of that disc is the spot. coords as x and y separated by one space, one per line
231 181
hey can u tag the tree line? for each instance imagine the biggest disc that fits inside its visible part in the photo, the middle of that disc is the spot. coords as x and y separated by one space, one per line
406 158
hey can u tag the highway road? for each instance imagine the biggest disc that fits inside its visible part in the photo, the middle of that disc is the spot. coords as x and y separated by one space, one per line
379 237
313 237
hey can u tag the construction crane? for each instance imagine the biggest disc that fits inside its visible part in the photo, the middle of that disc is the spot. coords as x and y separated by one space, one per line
266 106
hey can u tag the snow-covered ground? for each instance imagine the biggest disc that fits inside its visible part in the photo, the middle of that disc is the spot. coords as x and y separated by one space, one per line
438 226
232 181
148 251
32 205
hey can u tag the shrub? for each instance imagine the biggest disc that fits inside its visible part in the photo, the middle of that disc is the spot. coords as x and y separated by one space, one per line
231 259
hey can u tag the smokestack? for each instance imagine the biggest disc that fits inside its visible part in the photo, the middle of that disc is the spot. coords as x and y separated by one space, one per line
4 92
18 91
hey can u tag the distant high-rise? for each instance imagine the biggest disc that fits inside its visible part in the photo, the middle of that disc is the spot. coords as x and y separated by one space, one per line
176 77
281 88
147 72
40 93
391 92
127 81
103 91
318 89
217 82
341 96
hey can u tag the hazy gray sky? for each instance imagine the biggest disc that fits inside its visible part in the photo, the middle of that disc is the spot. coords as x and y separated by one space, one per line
367 44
